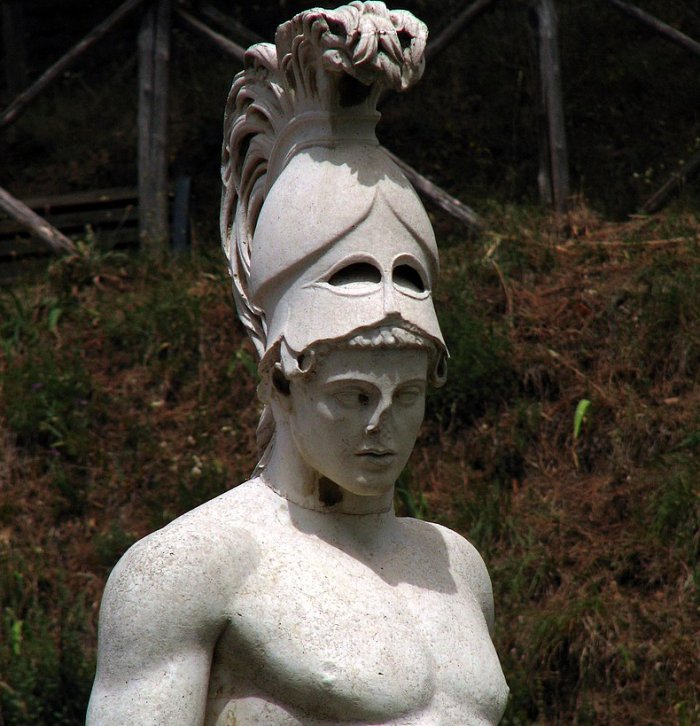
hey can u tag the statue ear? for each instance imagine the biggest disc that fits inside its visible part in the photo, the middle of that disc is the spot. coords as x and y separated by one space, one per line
280 382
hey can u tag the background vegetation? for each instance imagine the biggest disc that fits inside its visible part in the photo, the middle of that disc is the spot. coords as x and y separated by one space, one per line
127 392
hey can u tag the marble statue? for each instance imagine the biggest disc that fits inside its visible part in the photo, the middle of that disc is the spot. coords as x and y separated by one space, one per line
299 597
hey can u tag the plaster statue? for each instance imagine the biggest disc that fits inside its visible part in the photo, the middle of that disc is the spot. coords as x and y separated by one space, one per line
299 597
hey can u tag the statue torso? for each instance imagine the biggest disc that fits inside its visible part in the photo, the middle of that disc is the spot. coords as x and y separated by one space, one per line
379 631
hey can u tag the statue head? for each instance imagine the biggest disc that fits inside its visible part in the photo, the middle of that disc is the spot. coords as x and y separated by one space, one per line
352 410
328 244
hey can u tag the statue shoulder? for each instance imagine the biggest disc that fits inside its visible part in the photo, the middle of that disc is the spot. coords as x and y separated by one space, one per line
207 550
466 566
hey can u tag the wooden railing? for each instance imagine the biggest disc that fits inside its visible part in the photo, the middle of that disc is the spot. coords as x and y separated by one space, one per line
154 52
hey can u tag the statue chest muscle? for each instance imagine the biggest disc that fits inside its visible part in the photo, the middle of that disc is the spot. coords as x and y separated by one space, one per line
329 637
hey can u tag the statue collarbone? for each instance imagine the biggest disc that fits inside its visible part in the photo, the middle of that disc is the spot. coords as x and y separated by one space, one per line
378 613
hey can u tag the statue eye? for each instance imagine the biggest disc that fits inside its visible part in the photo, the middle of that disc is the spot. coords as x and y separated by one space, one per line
408 396
355 275
352 398
407 277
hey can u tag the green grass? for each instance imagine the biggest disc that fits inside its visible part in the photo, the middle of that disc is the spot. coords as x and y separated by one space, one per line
479 370
46 671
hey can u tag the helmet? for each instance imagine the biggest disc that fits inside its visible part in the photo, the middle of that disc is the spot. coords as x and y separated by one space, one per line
324 234
333 254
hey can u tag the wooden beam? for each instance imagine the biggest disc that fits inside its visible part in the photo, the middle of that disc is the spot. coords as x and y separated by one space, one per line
553 177
440 197
443 40
76 221
93 198
658 26
231 26
154 58
220 41
676 181
20 104
32 221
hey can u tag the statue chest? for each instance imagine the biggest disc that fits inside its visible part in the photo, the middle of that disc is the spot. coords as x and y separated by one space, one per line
325 635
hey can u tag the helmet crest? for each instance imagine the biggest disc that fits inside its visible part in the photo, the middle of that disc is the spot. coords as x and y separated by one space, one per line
317 87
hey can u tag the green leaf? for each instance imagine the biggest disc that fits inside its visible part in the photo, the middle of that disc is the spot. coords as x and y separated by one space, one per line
580 416
16 636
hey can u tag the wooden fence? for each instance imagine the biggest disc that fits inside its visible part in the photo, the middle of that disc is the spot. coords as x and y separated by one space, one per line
154 53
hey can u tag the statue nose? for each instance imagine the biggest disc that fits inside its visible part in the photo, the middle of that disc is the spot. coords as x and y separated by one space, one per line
391 303
379 416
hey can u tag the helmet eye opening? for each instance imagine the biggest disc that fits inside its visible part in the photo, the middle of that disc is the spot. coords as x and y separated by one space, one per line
357 274
406 277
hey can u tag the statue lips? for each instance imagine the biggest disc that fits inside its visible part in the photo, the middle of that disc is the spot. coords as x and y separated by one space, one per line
377 458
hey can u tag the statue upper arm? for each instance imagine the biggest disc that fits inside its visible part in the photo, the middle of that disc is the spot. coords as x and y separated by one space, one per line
157 633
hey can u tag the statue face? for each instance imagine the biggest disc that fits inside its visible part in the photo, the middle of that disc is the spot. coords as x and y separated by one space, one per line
355 419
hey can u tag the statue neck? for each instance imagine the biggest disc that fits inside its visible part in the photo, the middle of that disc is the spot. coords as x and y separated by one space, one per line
287 474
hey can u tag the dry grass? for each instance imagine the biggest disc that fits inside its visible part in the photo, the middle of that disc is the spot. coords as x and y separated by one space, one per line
592 541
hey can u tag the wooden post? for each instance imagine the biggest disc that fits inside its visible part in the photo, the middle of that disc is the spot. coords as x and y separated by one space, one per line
553 177
32 221
13 43
181 242
544 175
20 104
154 56
662 28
